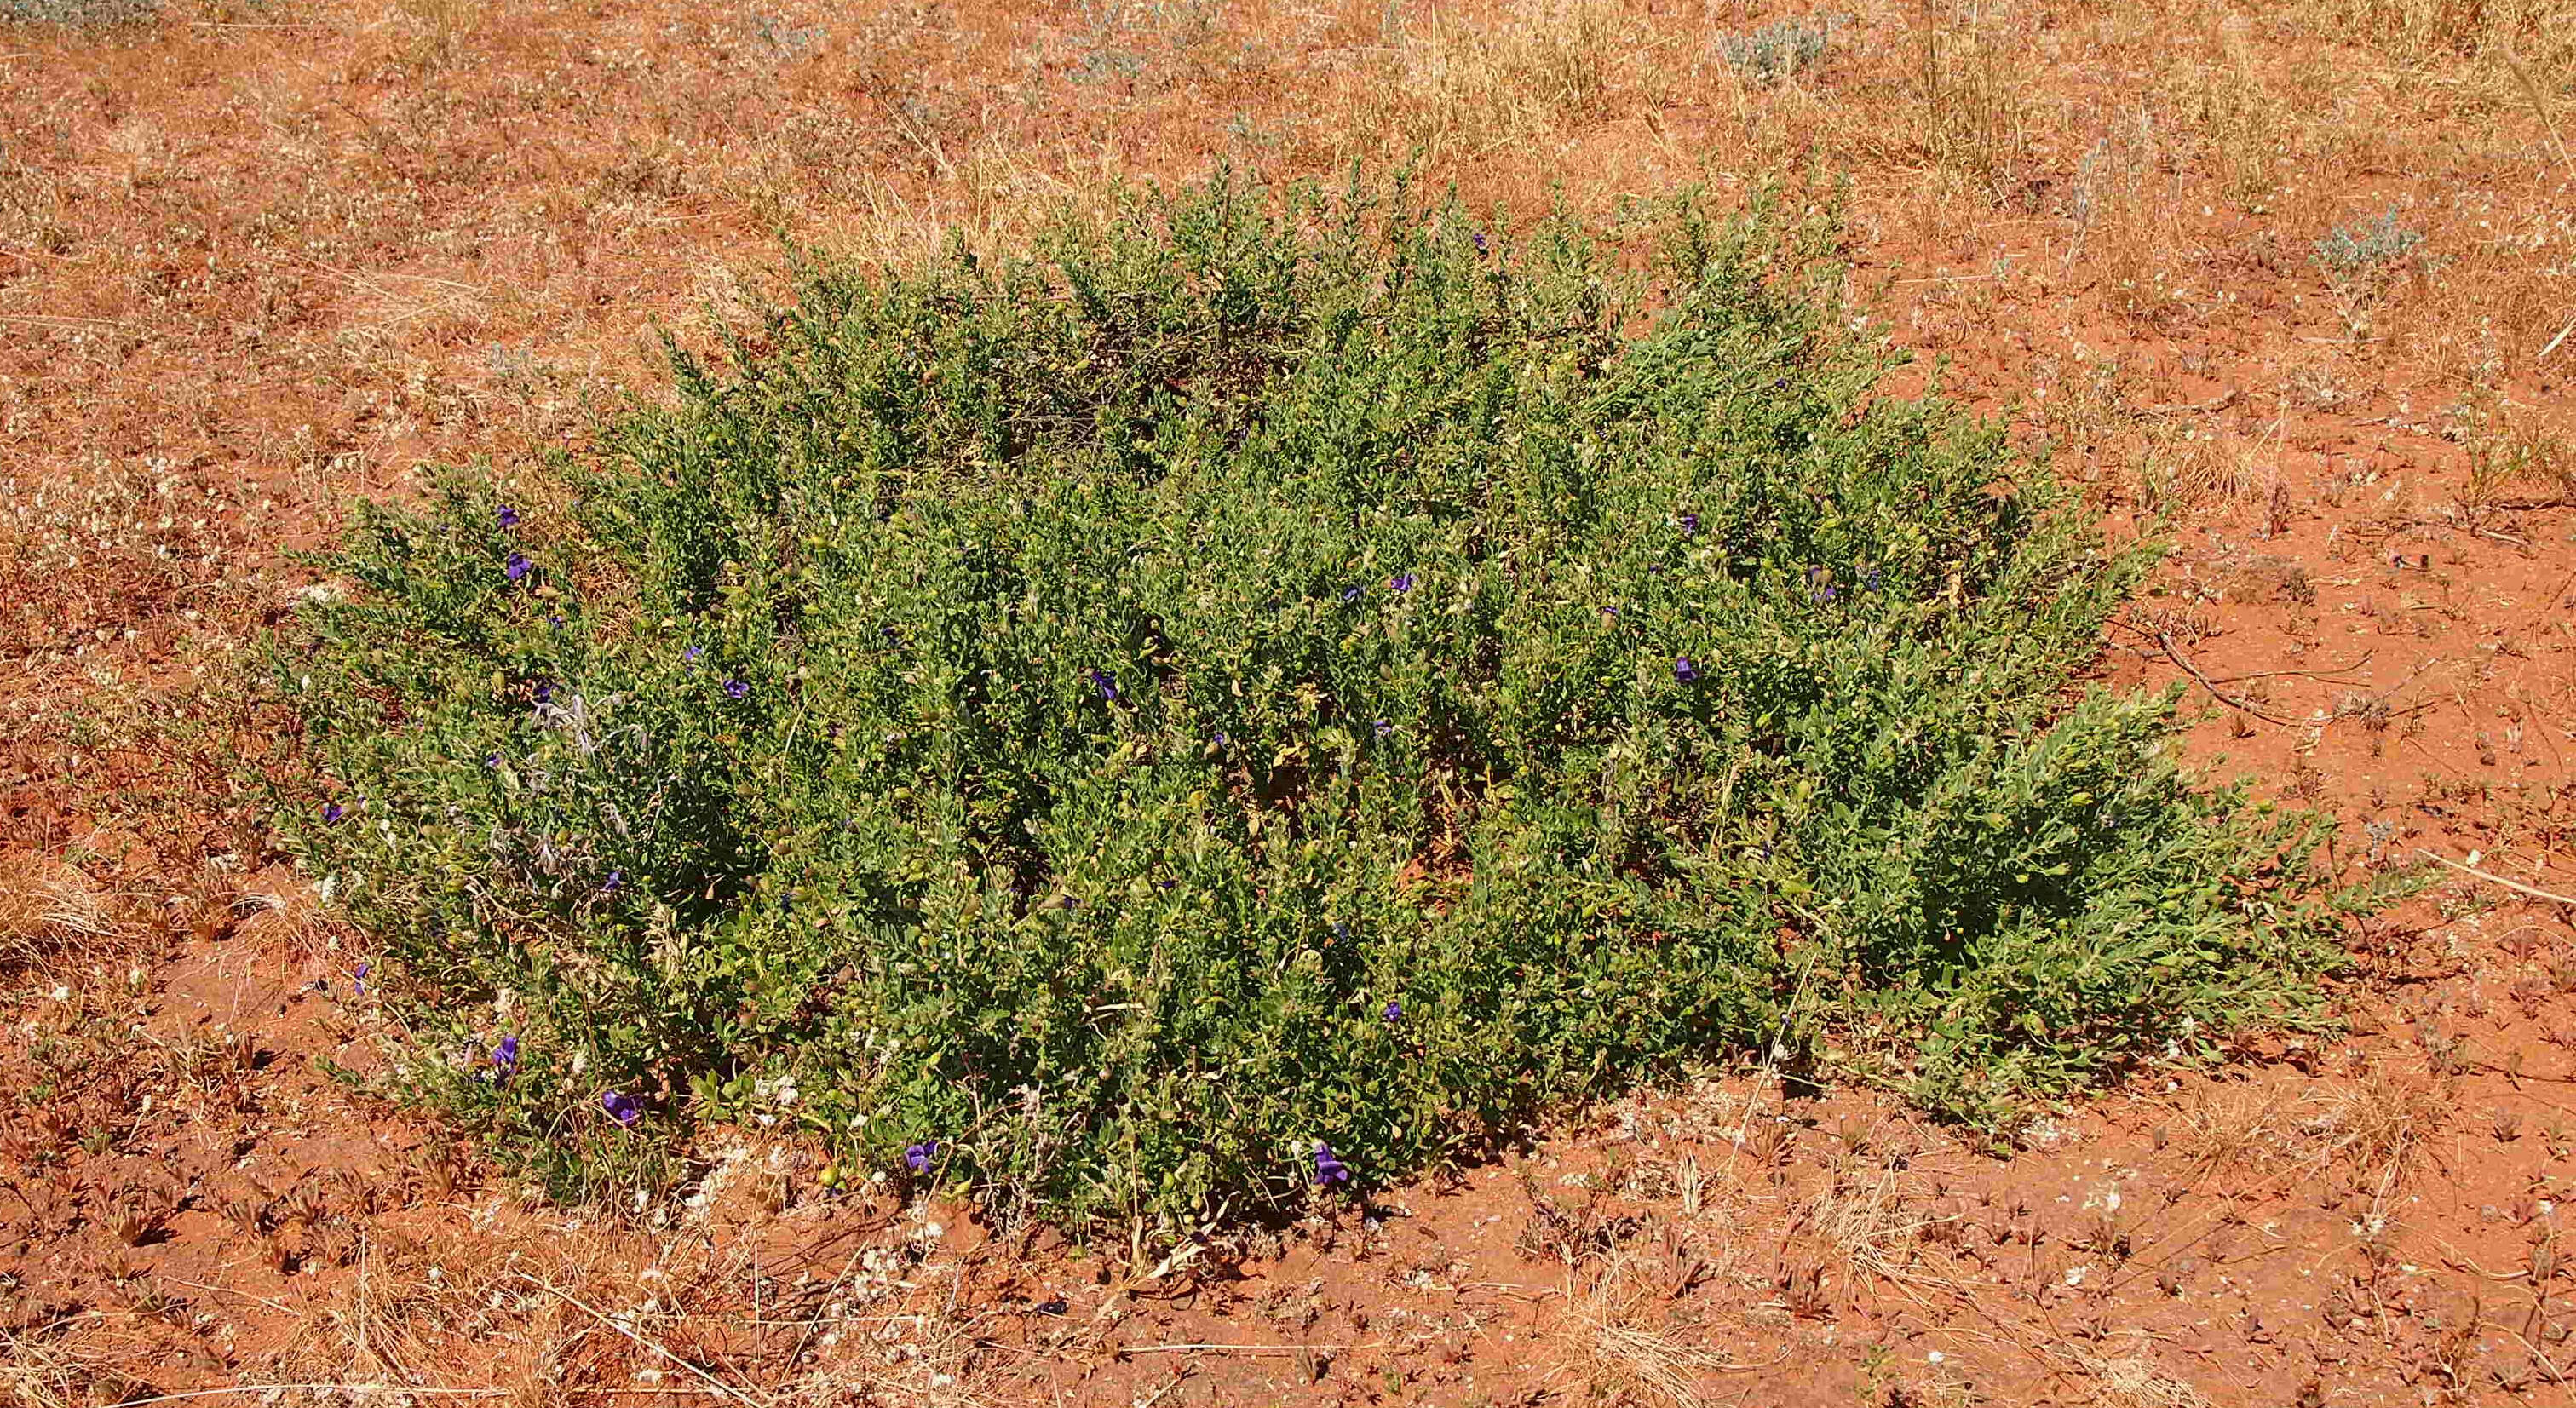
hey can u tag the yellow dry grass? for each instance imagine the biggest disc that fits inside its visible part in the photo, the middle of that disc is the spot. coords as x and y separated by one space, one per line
45 908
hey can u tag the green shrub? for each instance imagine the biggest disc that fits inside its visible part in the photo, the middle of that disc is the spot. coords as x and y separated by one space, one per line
2366 251
1779 50
1267 673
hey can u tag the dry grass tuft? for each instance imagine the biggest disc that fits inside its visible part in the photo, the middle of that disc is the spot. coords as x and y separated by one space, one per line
613 1314
46 907
2379 1124
2192 467
67 1364
2430 31
1620 1355
1455 90
279 907
437 30
2138 1383
1871 1222
1975 117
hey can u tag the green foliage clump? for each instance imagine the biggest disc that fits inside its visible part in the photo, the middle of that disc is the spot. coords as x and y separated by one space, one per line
2366 250
1779 50
1265 673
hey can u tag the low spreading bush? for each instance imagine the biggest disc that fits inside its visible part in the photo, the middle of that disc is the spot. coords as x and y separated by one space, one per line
1777 51
2366 251
1265 692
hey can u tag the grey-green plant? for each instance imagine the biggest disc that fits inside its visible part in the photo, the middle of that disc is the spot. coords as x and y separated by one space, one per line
1779 50
2366 251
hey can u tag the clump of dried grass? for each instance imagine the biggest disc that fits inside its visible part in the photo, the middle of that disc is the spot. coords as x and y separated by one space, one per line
70 1363
47 907
1452 88
278 907
436 30
2436 30
2379 1124
2195 467
2376 1125
1616 1350
1872 1221
611 1312
2139 1383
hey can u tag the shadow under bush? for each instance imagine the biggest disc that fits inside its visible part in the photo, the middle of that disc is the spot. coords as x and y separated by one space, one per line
1274 675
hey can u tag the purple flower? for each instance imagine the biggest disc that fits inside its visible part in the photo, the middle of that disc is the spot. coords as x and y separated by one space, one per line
509 516
492 761
620 1108
1402 582
505 1059
615 882
917 1157
738 688
1479 237
555 621
517 565
1394 1011
1350 596
1872 583
1106 683
361 980
1384 728
331 812
1684 670
1328 1169
690 655
1690 524
545 691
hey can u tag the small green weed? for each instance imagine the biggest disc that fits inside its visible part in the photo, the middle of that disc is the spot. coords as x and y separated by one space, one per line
1266 692
1777 51
2366 251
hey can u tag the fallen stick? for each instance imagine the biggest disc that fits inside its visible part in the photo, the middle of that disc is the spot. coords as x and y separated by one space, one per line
2496 879
2221 695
